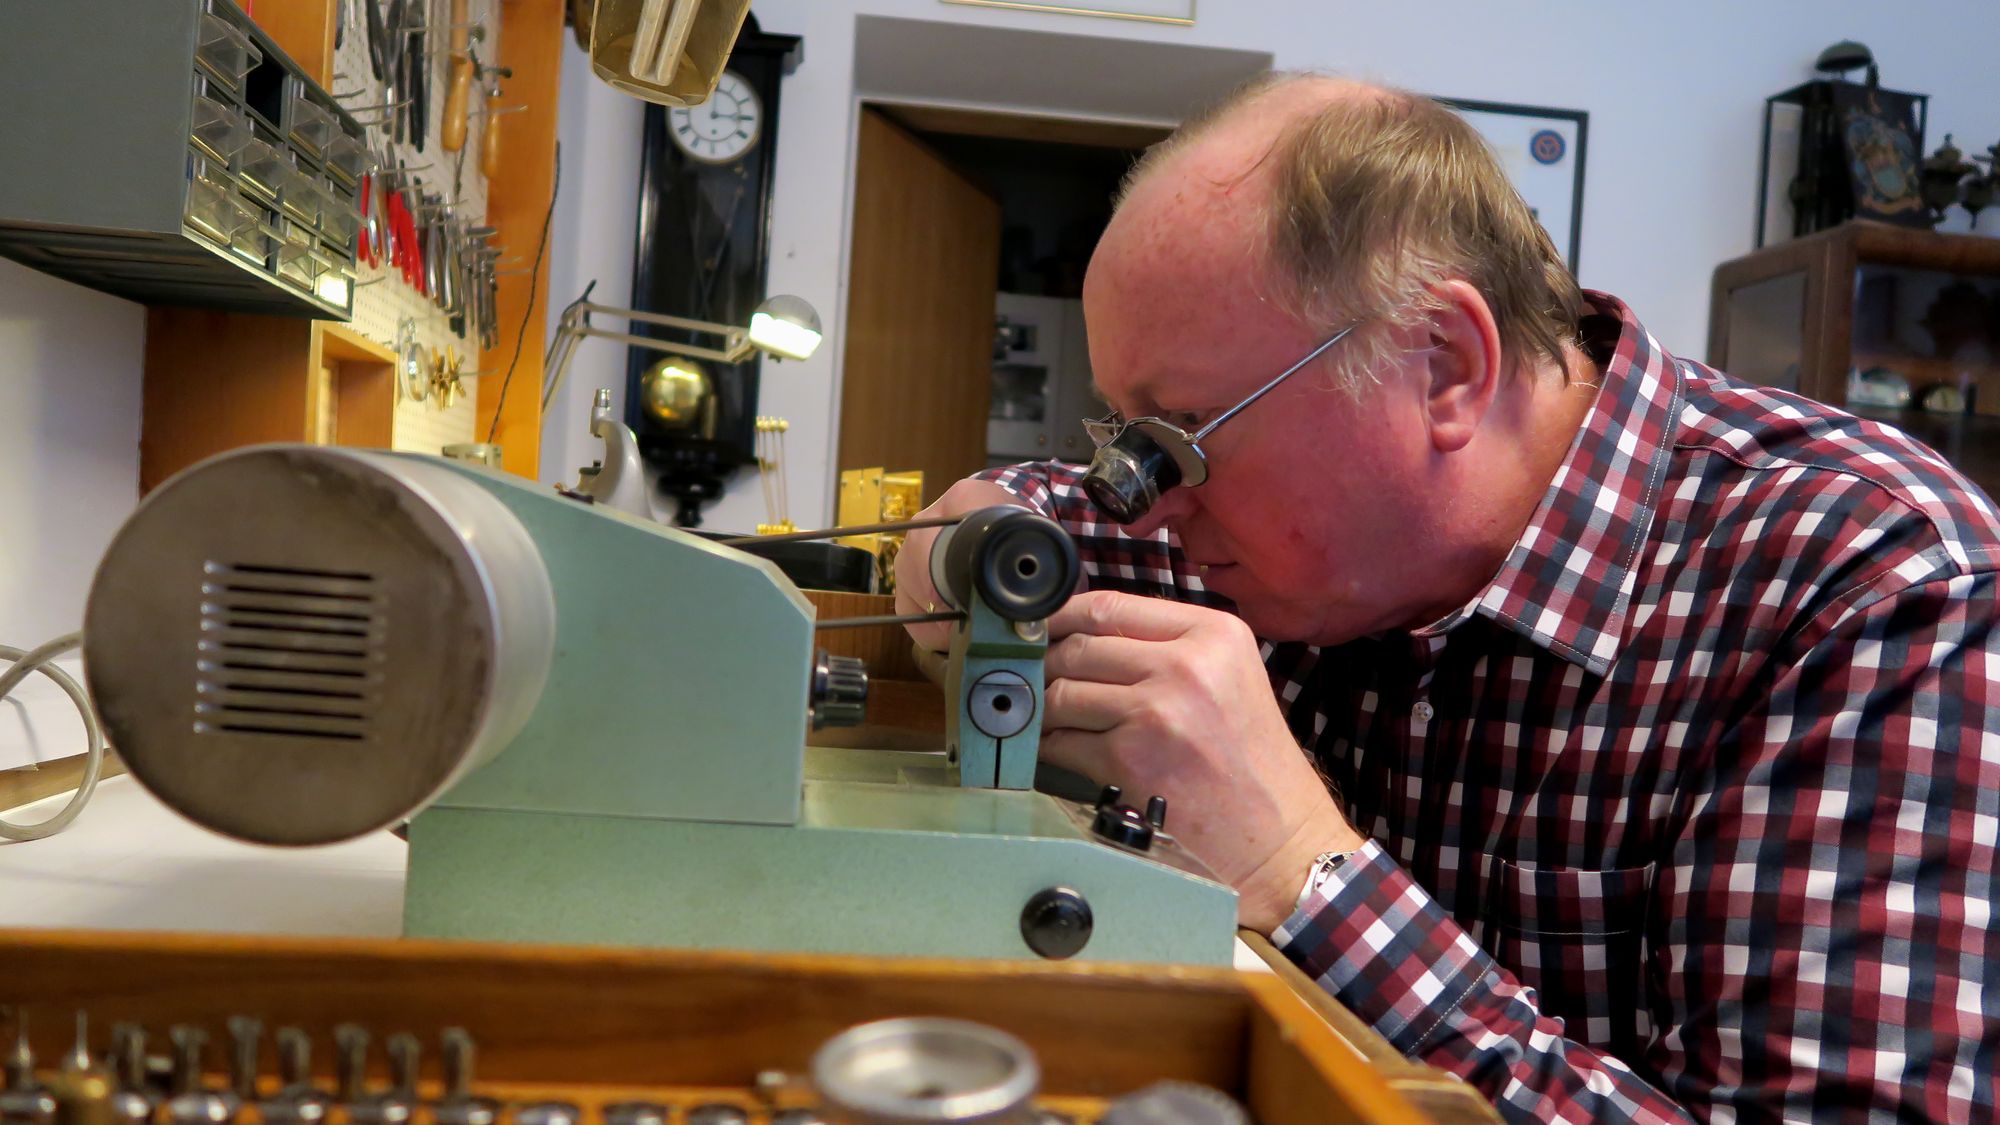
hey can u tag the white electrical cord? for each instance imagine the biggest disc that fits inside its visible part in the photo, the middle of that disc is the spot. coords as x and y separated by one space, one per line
41 660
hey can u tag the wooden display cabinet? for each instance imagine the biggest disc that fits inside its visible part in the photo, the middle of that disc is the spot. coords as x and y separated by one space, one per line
1851 307
592 1025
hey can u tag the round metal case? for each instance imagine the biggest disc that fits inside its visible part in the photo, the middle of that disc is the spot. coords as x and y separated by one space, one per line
300 645
925 1070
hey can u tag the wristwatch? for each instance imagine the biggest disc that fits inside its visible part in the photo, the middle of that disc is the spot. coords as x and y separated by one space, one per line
1322 869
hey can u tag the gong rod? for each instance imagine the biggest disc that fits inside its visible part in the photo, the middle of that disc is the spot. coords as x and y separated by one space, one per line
836 532
888 619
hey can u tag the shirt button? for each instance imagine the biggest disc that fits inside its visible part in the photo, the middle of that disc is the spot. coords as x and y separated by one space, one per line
1423 711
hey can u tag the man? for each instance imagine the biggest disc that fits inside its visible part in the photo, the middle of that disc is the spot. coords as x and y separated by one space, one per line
1645 714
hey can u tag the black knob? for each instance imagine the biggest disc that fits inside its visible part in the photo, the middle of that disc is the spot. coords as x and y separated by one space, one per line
839 696
1122 824
1156 812
1056 923
1022 565
1108 796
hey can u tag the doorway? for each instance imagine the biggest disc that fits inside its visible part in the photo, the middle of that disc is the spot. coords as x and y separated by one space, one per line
986 160
966 344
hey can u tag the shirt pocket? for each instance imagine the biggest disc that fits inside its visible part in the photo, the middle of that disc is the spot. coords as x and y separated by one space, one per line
1578 937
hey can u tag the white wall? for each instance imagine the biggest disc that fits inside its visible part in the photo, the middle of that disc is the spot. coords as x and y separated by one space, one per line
596 221
70 362
1674 92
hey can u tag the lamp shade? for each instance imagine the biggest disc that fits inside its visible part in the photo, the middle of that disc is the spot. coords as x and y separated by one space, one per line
785 326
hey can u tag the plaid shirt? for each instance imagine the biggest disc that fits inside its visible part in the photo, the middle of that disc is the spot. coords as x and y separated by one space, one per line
1692 810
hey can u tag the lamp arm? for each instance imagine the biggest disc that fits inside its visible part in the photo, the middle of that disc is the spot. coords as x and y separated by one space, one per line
575 325
641 316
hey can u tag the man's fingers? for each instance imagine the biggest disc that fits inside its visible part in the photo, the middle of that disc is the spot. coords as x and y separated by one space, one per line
1109 613
1079 751
1085 706
1100 659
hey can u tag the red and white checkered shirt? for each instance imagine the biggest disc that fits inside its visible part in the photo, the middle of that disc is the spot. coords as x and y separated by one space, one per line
1692 810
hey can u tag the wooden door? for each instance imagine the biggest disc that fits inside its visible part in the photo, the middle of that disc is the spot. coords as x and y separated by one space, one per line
923 272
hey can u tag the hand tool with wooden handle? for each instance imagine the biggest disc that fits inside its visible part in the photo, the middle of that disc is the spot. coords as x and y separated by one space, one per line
458 94
489 139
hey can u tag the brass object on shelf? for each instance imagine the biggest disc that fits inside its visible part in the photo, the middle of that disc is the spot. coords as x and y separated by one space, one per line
869 496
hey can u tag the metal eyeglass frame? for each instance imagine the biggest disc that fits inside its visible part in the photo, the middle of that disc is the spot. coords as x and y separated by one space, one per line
1137 459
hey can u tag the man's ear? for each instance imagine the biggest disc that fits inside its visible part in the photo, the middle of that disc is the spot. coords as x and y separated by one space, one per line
1463 365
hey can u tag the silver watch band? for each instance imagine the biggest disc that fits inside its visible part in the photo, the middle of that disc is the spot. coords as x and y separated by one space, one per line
1323 867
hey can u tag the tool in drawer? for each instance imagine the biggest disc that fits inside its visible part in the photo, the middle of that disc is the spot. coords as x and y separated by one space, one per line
459 1105
190 1101
297 1101
905 1071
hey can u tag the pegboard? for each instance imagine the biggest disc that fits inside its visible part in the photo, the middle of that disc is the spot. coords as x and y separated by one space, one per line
382 300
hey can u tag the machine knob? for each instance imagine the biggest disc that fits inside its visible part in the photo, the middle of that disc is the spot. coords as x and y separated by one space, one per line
1056 923
1023 565
839 695
1122 824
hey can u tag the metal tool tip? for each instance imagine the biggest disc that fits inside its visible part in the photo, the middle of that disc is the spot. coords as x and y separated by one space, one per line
79 1055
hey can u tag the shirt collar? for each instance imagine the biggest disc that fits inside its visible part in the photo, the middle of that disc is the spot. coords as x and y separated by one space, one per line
1567 583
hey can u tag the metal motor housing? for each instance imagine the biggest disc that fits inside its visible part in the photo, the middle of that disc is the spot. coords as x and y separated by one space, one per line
300 645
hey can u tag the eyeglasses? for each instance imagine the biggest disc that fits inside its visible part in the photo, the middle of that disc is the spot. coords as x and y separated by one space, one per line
1140 458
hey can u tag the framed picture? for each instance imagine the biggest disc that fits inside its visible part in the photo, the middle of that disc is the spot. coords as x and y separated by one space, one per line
1542 151
1151 11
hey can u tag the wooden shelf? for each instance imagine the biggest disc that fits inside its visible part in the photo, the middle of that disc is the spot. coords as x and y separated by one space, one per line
217 381
1814 304
354 386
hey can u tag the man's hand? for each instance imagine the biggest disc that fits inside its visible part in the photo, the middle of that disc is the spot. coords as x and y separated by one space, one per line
1165 698
914 592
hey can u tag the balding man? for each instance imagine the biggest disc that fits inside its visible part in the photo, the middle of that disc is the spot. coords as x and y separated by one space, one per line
1611 733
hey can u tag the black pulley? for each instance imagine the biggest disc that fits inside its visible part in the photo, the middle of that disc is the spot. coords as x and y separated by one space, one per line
1022 564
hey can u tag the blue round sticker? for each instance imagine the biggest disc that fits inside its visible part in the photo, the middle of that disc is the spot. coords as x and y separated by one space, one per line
1547 146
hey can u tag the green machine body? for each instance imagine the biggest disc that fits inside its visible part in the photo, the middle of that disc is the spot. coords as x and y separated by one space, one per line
597 726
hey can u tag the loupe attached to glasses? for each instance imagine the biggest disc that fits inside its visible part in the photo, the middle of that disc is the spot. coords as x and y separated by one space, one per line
1145 459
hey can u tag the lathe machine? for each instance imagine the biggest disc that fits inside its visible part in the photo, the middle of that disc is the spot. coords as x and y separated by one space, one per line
597 726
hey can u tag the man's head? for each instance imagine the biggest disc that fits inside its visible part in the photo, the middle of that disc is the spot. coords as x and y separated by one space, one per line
1365 492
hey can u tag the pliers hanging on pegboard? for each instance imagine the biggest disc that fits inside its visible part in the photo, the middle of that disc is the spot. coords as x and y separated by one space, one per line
406 253
374 231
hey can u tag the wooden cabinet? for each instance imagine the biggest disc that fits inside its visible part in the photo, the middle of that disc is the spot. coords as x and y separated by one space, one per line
1894 324
596 1025
216 381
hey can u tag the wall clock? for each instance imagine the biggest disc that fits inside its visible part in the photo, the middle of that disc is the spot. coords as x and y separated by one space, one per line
723 128
704 235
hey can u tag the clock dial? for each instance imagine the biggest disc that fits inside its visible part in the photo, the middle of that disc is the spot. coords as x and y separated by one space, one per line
722 128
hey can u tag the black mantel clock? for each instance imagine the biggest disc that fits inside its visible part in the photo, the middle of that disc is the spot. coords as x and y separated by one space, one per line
703 241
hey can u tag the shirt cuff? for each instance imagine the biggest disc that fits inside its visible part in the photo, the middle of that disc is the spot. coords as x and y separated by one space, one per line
1381 945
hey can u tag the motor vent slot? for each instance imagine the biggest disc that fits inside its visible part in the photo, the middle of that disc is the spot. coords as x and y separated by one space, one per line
288 652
